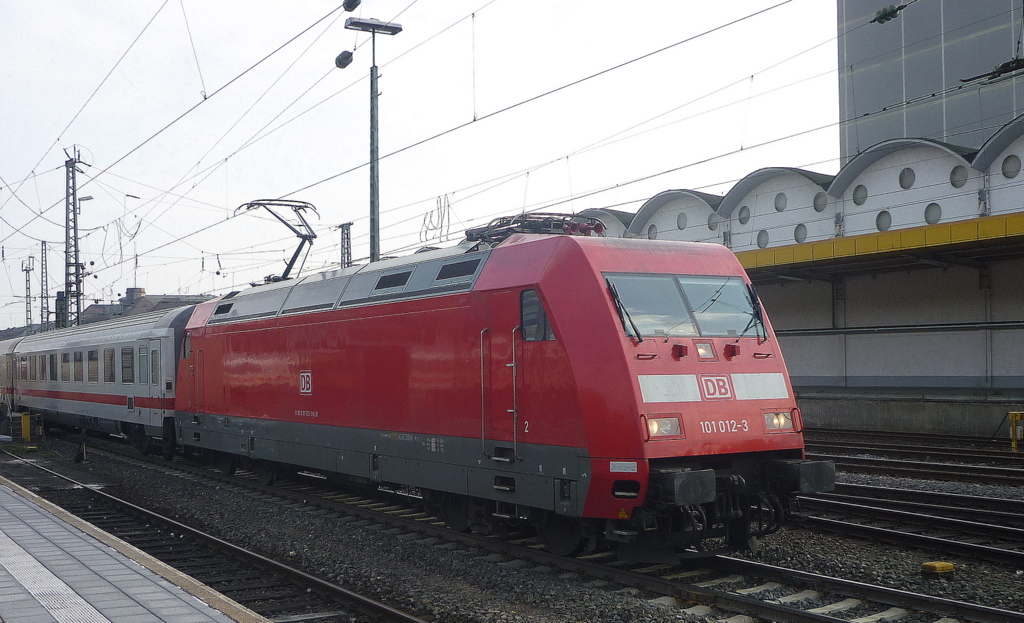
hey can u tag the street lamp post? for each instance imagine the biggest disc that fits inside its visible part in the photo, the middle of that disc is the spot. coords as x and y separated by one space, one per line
372 26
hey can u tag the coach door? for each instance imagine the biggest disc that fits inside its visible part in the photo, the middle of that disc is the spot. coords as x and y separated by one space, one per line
194 362
498 372
155 391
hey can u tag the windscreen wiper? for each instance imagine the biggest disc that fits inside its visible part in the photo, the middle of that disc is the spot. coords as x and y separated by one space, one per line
756 315
623 312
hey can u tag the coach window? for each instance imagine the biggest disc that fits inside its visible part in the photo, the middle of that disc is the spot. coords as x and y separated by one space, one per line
32 368
65 367
94 366
79 368
53 366
143 366
128 365
534 321
24 368
108 366
42 368
154 362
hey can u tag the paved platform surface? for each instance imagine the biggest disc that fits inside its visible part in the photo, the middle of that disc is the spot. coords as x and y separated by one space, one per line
57 568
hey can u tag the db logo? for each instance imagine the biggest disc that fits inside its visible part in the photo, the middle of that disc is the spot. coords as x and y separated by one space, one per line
715 387
306 382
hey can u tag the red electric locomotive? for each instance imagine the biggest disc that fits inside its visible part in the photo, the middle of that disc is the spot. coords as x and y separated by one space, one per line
603 390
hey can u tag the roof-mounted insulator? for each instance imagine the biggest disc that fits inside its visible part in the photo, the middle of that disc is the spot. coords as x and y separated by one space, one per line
537 223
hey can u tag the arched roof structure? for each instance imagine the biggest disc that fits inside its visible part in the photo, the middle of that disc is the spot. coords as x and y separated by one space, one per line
743 187
655 203
876 152
997 143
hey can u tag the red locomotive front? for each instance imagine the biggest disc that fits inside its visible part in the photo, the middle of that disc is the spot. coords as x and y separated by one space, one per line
692 430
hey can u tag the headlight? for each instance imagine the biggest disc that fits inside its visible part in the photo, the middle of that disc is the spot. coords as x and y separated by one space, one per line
778 420
663 426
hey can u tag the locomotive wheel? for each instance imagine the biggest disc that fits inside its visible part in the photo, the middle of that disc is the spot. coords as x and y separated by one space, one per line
455 512
266 472
562 536
226 463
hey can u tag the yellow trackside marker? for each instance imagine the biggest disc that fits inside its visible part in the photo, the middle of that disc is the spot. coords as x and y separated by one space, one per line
623 514
938 567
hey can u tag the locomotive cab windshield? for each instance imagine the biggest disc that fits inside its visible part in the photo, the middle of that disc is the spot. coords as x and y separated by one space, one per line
659 305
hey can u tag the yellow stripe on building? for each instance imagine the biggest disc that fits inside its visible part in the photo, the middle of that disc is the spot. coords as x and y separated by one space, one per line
887 242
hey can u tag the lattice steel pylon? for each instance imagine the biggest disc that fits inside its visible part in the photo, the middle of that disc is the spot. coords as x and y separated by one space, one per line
44 293
346 244
28 266
72 266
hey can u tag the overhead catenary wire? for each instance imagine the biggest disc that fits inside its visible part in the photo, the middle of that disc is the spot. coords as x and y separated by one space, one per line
200 103
457 23
107 169
191 41
550 92
571 193
98 87
19 229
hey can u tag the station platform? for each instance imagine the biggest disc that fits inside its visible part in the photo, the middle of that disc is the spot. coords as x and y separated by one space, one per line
56 568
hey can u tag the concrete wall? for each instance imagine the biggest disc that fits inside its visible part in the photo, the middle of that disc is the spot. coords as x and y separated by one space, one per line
941 415
925 328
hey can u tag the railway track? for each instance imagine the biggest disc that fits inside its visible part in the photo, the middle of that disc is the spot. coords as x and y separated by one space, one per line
984 456
999 511
274 590
928 470
721 586
815 435
926 525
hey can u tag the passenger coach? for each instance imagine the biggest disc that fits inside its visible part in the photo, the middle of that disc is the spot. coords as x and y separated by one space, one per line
116 377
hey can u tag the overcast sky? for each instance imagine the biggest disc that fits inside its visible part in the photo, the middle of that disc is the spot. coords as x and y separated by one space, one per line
749 84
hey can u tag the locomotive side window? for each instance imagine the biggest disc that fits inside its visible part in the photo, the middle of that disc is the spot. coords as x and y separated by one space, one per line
65 367
53 366
108 366
457 269
534 322
186 346
128 365
79 368
155 370
94 366
390 282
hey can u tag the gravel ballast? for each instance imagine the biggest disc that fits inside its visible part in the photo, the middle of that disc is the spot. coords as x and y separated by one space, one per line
459 585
